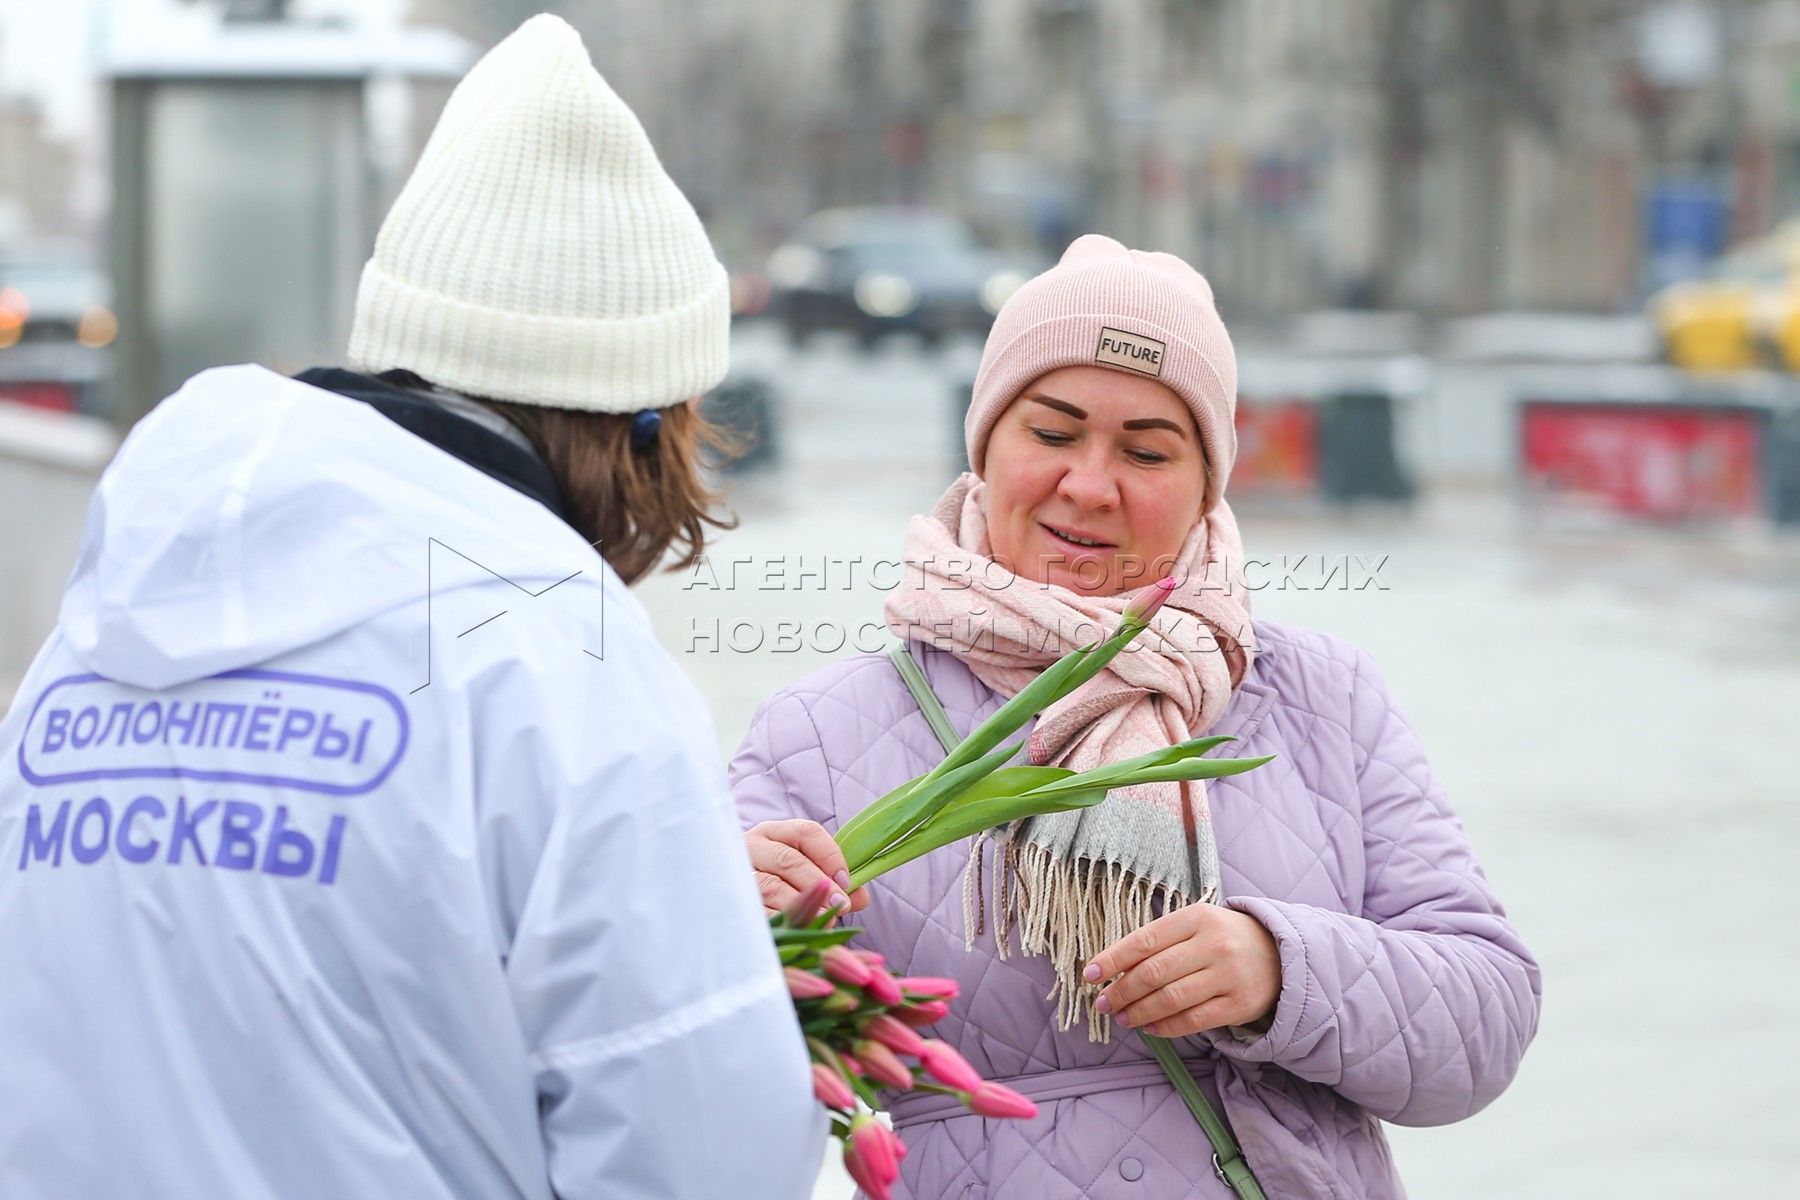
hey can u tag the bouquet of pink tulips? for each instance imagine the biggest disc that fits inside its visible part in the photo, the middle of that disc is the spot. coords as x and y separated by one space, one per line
860 1021
861 1024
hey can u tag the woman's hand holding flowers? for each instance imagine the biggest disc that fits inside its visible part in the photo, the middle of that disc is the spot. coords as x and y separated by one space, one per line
790 857
1199 967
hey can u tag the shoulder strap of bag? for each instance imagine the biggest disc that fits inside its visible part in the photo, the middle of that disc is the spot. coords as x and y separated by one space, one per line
929 704
1228 1158
1229 1163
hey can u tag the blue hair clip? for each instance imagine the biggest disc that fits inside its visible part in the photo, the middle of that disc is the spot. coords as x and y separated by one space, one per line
644 428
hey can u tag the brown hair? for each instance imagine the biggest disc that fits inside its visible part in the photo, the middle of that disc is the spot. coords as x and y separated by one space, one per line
632 505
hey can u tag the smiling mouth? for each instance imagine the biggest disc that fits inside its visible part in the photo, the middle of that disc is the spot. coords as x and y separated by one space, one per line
1079 543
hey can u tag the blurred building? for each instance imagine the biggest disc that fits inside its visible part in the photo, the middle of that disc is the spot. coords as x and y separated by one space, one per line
37 177
249 167
1445 155
1305 153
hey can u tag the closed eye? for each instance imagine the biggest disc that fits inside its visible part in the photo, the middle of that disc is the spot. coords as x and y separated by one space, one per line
1052 437
1148 457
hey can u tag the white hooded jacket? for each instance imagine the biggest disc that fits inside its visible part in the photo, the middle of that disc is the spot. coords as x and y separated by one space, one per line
358 839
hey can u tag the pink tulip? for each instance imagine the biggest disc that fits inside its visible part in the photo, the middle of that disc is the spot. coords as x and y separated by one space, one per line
993 1100
883 1065
845 967
949 1068
864 1175
875 1144
804 985
883 988
850 1064
926 1012
804 907
831 1089
874 958
929 985
840 1002
896 1035
1143 606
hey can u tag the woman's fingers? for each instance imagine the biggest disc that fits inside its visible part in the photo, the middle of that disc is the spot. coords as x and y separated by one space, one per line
1185 994
1210 1015
782 871
1160 986
812 840
1148 958
1136 947
790 856
1201 962
815 841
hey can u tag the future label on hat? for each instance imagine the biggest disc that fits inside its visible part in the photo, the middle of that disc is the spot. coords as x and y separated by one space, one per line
1132 351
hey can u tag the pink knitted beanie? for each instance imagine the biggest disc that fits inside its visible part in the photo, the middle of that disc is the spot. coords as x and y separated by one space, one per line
1143 313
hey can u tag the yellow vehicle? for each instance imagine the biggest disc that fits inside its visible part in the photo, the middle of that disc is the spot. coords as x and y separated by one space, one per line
1743 313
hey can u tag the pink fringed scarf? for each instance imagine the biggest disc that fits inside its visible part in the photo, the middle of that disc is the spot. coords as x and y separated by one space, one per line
1075 882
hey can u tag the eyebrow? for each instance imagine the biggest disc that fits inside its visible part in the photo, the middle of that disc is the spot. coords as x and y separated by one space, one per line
1080 414
1155 423
1061 406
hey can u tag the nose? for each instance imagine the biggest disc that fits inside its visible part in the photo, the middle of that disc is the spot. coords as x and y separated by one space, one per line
1090 482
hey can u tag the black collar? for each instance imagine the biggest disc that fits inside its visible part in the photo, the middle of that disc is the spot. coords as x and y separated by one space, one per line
488 452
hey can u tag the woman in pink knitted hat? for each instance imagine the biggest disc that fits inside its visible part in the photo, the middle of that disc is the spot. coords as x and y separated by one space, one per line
1314 937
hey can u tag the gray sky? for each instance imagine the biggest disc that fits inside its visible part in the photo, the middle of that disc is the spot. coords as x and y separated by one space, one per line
47 51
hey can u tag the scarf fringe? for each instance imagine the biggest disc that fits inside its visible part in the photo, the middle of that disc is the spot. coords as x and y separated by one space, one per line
974 896
1067 911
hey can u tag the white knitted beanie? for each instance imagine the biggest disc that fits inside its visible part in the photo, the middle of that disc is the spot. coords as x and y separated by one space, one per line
539 253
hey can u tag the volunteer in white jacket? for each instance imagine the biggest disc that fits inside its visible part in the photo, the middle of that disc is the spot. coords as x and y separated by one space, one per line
356 837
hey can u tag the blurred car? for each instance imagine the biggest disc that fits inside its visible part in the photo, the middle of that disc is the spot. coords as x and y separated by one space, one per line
873 271
56 321
1742 313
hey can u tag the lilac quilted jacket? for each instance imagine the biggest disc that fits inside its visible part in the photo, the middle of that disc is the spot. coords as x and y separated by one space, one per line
1406 995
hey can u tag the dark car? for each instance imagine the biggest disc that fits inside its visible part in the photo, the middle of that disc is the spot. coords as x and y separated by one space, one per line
872 271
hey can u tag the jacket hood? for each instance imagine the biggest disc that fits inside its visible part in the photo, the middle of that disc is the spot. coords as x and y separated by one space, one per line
250 515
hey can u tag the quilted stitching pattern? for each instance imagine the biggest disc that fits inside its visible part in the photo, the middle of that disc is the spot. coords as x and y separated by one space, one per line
1406 994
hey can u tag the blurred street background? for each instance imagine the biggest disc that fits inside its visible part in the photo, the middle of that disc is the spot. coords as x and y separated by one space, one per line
1515 286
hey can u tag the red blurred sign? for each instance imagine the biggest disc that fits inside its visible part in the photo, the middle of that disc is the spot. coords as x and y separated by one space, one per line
1659 461
1278 448
57 396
